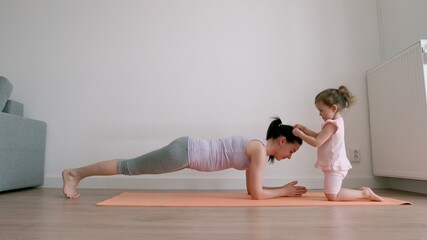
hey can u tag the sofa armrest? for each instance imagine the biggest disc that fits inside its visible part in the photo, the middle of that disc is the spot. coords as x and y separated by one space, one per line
14 107
22 152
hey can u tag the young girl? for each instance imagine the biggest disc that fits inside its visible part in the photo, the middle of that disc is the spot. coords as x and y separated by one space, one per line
241 153
331 152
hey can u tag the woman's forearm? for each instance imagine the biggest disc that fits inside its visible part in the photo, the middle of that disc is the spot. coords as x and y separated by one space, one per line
288 190
267 193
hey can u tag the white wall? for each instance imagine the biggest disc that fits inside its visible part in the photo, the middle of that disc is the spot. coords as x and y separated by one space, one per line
402 24
115 79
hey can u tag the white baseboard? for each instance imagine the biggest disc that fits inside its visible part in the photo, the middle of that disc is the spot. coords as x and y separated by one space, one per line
154 182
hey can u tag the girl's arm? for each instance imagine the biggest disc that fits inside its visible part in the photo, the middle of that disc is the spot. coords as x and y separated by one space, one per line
254 175
305 130
317 139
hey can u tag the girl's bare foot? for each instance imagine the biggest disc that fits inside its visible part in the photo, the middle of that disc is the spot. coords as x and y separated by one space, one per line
70 184
370 194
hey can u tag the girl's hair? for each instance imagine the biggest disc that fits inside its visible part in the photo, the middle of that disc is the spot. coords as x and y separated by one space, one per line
341 97
277 129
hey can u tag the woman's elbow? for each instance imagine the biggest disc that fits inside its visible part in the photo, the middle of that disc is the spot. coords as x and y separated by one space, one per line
257 196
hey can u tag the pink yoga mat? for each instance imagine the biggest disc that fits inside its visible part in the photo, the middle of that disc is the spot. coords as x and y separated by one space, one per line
230 199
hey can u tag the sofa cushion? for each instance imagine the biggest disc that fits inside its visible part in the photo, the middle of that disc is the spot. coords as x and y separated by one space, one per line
5 91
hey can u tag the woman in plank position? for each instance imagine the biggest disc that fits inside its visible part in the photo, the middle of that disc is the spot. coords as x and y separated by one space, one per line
241 153
331 155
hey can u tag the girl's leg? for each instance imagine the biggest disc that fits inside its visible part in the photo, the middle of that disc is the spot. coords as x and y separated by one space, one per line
334 192
346 194
72 177
369 194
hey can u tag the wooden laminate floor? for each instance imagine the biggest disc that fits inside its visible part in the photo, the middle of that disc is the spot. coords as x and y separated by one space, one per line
45 214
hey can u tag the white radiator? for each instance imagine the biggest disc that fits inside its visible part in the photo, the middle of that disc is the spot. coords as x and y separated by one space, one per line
398 114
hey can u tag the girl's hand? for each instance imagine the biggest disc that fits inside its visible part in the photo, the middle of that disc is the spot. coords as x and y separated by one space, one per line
297 132
300 127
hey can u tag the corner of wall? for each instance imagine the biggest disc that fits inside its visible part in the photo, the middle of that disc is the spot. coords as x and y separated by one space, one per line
380 31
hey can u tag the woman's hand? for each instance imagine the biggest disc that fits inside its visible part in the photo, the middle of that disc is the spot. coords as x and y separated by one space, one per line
294 191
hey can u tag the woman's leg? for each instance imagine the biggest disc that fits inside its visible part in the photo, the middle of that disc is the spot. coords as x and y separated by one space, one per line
170 158
334 192
72 177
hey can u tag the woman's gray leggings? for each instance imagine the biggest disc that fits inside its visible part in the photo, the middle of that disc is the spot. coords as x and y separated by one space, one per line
170 158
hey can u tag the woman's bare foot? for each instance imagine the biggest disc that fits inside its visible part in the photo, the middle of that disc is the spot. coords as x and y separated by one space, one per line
70 184
370 194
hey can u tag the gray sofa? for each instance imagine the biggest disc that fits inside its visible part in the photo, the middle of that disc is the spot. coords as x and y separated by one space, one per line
22 144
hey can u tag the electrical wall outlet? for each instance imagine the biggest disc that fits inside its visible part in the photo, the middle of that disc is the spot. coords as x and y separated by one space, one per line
354 155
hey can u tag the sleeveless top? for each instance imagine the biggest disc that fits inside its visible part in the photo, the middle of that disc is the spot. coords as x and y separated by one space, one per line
219 154
331 155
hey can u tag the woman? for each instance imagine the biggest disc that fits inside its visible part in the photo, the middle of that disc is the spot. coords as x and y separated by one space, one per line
241 153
